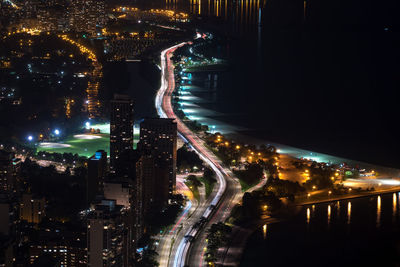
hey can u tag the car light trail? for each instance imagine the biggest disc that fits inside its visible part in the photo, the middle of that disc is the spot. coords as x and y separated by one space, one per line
183 214
164 110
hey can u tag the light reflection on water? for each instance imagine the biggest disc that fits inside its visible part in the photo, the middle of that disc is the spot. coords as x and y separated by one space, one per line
364 230
265 231
378 212
348 212
394 213
332 216
329 214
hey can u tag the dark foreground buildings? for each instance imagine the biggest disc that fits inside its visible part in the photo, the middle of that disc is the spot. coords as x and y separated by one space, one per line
110 235
120 198
158 138
138 186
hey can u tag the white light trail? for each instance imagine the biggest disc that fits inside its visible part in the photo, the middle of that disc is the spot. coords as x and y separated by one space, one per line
185 134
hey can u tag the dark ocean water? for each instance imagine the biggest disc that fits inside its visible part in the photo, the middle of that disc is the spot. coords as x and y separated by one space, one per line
326 81
324 78
330 88
365 232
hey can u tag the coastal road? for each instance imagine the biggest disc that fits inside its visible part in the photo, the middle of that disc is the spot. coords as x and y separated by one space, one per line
191 239
166 240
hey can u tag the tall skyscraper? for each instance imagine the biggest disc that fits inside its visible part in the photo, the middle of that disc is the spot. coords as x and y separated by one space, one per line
97 167
110 237
87 15
9 171
158 137
8 230
32 209
121 131
5 220
152 186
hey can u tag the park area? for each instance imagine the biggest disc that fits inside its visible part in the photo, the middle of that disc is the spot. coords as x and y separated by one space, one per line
84 144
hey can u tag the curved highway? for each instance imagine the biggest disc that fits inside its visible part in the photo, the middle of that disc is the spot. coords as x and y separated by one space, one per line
188 247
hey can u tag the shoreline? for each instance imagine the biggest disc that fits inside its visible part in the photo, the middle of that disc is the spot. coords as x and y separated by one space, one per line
211 118
316 156
244 233
209 115
233 254
351 196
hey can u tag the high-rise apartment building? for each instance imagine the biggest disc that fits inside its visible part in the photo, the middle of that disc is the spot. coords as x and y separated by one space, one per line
32 209
64 244
97 167
9 170
121 131
110 236
8 228
151 186
87 15
5 218
158 137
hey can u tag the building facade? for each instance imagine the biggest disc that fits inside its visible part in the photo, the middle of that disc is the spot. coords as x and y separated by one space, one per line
9 172
71 255
97 168
121 192
121 130
158 138
32 209
110 236
87 15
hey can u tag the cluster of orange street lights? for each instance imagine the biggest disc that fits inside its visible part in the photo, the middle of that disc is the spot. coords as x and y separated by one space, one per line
93 86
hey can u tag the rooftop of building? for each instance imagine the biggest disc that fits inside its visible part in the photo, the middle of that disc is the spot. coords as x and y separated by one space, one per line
158 121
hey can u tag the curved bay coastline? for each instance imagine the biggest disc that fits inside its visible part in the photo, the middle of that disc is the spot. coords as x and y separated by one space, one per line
270 93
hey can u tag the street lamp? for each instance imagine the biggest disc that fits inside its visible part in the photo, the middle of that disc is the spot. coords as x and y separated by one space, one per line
57 132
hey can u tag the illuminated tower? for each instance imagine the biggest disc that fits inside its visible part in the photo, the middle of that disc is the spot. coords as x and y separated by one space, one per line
158 137
97 167
121 130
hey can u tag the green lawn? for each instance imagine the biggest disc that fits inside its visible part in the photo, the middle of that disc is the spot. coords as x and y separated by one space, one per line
209 186
245 186
206 67
83 147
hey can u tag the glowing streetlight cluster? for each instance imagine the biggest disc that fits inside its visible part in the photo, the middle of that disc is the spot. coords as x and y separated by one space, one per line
173 15
92 90
31 31
169 13
125 9
83 49
56 132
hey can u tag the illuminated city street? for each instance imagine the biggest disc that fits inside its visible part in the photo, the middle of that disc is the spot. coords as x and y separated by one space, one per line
198 133
223 201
